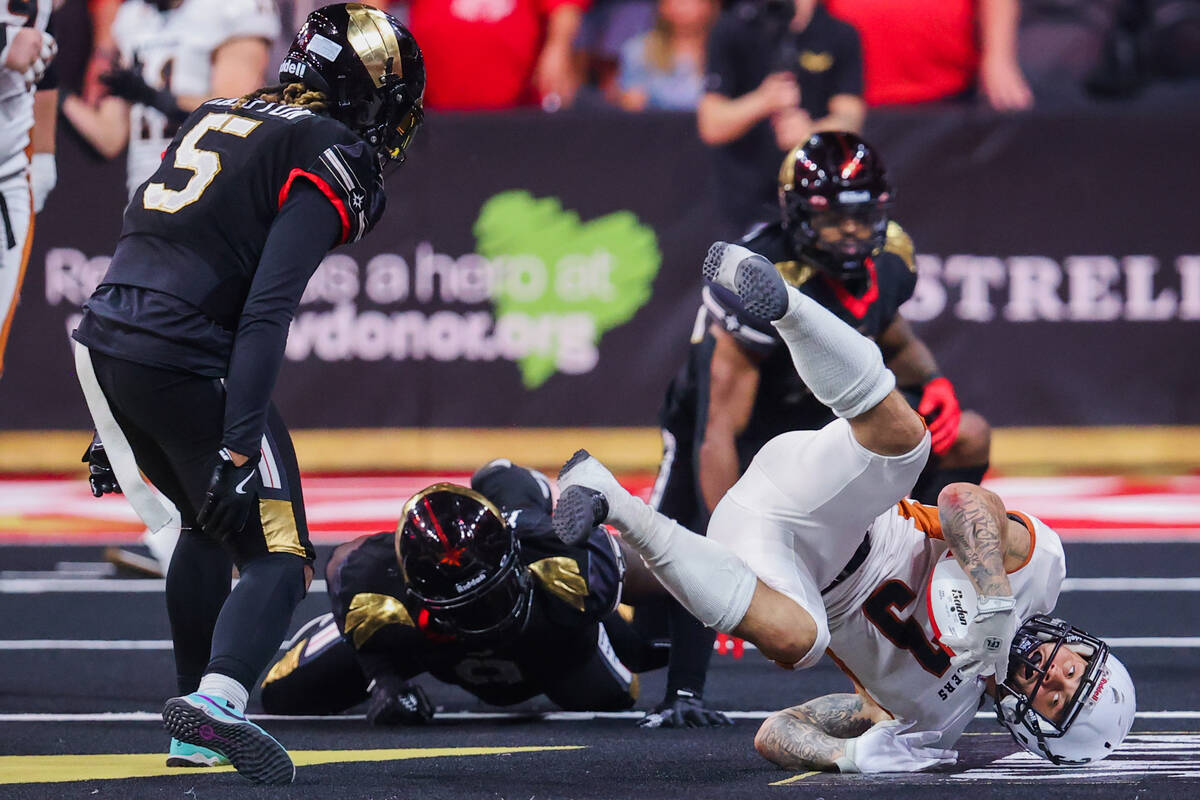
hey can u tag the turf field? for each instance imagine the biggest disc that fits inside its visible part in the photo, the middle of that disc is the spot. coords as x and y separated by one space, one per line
85 664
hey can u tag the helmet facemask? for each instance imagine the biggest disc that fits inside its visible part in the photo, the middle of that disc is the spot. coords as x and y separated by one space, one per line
1065 737
837 237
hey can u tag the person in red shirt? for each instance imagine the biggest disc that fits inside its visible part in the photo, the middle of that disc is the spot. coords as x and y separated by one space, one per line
917 51
491 54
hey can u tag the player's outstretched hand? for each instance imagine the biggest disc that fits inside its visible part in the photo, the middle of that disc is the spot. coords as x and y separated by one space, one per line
983 648
100 473
885 747
232 492
683 710
396 702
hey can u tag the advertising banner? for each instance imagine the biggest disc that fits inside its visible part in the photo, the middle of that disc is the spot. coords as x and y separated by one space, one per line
543 271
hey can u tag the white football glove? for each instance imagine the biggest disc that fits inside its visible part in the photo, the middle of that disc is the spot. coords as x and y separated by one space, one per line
983 648
43 175
887 748
18 55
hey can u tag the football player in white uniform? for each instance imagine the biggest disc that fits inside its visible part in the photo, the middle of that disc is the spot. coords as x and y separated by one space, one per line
175 54
815 550
27 114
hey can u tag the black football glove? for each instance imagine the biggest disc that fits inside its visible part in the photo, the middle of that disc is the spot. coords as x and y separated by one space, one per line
395 702
128 84
682 709
100 472
232 492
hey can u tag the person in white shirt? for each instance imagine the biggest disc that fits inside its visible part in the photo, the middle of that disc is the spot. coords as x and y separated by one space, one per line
175 54
27 116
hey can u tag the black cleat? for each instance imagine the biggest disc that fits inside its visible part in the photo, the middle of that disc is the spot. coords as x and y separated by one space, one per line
578 512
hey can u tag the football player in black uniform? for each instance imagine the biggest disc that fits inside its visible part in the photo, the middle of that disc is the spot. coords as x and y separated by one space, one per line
475 589
738 389
180 345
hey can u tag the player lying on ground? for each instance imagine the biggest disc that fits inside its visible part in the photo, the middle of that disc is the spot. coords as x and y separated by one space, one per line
786 566
475 589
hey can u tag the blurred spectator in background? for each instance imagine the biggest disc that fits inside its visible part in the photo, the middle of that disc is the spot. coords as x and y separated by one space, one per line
28 98
1152 45
607 27
778 72
1060 43
492 54
664 68
173 55
918 51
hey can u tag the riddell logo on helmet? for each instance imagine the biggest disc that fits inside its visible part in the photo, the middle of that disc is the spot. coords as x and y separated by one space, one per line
1099 688
293 68
478 579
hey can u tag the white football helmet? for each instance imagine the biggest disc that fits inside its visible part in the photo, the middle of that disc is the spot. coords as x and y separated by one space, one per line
1095 720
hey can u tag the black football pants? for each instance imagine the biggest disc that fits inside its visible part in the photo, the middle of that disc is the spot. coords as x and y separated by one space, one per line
174 422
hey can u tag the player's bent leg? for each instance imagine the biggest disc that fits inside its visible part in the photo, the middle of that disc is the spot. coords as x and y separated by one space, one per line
707 578
317 674
813 735
890 428
972 446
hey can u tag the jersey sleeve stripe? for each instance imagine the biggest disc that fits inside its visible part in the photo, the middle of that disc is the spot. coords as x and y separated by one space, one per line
326 190
924 517
1028 523
336 164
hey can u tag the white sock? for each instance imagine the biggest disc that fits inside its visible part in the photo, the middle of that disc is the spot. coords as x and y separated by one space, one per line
842 368
216 685
707 578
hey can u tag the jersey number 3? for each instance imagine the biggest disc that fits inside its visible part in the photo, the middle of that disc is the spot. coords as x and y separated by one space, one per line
880 608
203 164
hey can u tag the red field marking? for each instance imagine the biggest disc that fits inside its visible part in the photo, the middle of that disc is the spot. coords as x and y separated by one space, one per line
43 510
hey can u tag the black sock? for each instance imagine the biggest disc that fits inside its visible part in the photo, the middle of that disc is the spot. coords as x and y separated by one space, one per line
691 652
255 618
197 584
927 490
639 653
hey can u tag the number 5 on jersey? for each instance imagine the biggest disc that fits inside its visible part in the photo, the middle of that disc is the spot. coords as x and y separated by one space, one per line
203 164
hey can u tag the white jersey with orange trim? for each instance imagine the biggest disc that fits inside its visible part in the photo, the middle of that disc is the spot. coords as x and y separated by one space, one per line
881 631
174 50
16 100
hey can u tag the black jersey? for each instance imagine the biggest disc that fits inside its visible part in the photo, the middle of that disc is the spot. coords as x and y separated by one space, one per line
196 229
574 588
783 402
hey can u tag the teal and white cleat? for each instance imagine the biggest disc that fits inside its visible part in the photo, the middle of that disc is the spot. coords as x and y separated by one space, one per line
203 721
183 754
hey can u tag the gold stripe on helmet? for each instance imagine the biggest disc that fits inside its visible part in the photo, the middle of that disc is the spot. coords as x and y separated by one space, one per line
374 40
453 488
787 170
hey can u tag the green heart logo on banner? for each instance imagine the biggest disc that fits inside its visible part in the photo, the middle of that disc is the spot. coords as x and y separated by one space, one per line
564 282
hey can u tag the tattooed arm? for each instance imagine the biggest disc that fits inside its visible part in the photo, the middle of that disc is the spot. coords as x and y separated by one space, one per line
975 525
813 735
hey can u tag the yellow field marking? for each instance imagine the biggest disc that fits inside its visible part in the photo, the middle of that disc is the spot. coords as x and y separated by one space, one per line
795 778
115 766
1150 449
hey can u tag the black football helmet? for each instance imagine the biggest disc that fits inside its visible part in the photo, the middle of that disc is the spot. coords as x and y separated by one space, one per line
369 67
835 181
460 562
